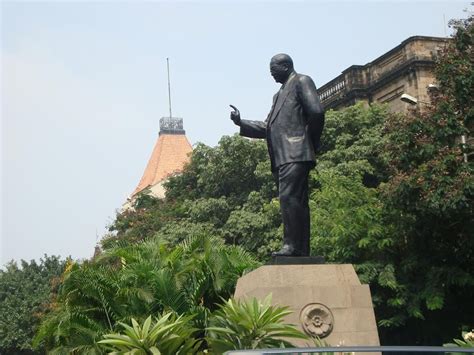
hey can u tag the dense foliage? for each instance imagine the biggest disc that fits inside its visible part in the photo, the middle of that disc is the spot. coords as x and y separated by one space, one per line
250 324
139 280
246 324
429 200
25 293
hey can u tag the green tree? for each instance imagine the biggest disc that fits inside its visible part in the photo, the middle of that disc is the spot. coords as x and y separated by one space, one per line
135 225
25 292
227 170
255 226
353 141
429 199
347 221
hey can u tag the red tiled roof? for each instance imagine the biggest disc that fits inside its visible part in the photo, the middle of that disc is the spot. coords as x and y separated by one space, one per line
170 154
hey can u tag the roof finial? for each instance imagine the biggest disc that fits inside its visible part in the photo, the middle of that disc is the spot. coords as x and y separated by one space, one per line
171 125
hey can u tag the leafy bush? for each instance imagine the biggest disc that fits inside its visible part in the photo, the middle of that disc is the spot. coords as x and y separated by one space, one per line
250 324
167 335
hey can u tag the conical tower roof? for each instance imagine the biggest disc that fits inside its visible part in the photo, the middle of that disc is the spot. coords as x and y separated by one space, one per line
170 155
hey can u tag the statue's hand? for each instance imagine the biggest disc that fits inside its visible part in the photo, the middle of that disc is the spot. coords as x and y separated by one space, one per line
235 115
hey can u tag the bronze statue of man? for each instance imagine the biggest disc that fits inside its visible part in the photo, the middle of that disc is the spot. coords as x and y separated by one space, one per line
292 129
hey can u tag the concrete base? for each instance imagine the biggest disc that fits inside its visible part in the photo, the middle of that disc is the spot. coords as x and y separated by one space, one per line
318 295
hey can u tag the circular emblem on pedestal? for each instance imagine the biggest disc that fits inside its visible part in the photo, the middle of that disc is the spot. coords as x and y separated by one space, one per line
317 320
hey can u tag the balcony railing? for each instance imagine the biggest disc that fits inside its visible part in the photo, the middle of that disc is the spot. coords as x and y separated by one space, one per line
332 88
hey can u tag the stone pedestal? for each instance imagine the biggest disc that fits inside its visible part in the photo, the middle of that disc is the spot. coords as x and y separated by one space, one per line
327 300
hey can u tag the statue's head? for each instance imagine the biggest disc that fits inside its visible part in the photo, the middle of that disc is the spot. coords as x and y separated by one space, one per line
281 66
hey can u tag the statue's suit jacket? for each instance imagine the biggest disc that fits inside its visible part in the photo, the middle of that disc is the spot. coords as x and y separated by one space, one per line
293 126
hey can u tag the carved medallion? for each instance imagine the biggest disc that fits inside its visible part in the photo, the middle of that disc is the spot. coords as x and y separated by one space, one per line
317 320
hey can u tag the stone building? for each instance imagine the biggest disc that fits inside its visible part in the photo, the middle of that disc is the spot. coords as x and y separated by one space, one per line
405 69
171 152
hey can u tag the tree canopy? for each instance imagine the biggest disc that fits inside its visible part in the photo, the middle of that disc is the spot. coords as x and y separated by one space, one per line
25 295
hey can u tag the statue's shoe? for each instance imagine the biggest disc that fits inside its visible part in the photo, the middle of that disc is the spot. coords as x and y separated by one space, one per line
287 250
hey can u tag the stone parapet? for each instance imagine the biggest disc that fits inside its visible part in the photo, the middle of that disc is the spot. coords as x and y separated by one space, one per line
407 68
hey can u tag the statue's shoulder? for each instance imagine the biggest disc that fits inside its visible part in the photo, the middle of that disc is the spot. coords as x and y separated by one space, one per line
304 79
304 84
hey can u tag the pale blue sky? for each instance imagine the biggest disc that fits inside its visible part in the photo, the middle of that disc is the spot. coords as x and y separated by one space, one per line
84 85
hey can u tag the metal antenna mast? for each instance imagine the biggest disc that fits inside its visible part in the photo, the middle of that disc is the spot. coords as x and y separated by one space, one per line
169 85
